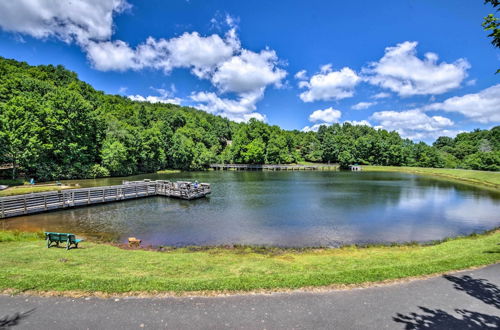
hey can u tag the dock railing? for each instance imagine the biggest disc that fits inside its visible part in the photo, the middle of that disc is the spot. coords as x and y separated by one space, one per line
46 201
271 167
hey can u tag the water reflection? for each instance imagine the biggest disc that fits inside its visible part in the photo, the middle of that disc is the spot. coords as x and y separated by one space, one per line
286 209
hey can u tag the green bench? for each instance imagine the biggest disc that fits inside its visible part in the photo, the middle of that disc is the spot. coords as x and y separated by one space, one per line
57 238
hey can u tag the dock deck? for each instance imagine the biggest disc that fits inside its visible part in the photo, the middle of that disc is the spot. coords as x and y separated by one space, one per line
46 201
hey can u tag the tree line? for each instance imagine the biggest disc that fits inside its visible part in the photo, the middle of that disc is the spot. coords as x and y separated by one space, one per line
55 126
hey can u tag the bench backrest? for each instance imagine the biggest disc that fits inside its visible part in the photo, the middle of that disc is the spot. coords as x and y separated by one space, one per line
60 237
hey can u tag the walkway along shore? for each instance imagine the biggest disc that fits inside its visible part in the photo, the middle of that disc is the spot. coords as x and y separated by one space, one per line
46 201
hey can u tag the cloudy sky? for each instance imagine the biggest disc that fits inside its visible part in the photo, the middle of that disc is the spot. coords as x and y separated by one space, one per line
422 67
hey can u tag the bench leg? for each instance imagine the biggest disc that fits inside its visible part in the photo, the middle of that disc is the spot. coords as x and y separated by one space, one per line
48 243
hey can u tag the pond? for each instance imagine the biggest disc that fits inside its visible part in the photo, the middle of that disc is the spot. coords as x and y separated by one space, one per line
288 209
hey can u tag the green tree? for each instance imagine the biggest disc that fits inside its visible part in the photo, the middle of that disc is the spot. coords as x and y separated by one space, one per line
492 24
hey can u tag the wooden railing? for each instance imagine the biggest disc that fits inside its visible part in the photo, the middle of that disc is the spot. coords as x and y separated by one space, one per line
269 167
46 201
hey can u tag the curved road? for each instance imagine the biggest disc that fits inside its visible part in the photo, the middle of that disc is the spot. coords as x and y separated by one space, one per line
464 300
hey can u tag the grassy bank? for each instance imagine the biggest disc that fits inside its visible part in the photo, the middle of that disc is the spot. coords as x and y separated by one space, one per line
28 265
26 189
485 178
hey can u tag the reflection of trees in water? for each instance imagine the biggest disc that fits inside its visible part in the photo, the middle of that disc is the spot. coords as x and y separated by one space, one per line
461 188
439 319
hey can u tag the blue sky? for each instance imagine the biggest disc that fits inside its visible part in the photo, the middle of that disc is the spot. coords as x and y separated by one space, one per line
424 68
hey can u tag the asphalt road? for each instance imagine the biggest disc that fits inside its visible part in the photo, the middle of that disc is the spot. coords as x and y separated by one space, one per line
465 300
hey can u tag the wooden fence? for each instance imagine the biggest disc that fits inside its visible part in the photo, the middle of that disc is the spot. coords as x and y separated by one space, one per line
46 201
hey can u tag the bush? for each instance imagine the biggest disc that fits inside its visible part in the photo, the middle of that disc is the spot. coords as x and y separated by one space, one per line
12 182
487 161
97 171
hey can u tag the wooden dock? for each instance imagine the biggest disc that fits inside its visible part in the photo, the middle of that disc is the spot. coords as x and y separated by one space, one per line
268 167
46 201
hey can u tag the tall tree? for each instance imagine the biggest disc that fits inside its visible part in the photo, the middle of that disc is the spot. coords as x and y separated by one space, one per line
492 24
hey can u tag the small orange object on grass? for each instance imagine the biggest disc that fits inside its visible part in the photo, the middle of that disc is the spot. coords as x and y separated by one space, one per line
132 241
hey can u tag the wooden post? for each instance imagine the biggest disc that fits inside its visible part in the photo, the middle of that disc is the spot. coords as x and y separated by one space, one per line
25 207
3 210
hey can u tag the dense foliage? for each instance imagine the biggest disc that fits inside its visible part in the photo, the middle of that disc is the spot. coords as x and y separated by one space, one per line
491 24
54 126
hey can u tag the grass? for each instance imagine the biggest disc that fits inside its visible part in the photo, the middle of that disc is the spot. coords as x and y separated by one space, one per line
485 178
26 189
168 171
27 265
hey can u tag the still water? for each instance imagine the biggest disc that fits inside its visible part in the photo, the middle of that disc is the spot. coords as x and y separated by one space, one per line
292 209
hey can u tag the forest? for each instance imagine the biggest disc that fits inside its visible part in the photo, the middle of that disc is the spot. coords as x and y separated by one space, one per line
55 126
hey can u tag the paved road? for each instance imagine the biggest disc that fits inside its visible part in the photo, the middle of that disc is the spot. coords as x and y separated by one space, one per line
466 300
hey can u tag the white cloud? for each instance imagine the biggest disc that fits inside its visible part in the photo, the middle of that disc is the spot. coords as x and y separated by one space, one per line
154 99
301 75
363 105
381 95
248 72
329 115
69 21
482 107
219 59
190 50
111 55
326 117
241 109
413 124
359 122
166 96
471 82
328 85
313 128
401 71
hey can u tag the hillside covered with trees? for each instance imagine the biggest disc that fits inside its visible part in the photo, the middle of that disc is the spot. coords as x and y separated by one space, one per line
54 126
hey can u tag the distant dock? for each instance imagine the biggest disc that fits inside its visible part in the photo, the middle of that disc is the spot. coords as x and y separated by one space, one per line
47 201
266 167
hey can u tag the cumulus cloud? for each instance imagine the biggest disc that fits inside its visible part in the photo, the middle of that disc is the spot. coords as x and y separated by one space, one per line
363 105
69 21
166 96
326 117
329 116
219 59
401 71
301 75
240 109
313 128
482 107
359 122
381 95
328 84
190 50
413 124
248 72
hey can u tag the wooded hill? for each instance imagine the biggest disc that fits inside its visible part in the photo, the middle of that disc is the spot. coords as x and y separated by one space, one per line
54 126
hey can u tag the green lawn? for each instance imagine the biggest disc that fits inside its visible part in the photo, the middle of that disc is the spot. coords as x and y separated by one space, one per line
26 189
27 264
486 178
